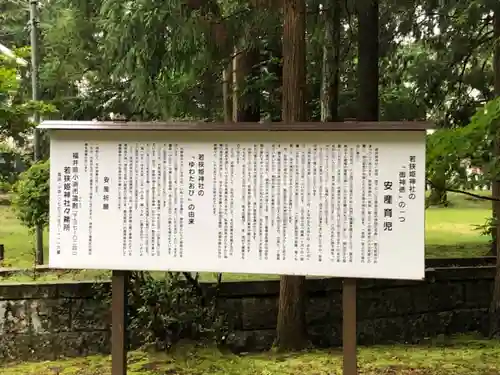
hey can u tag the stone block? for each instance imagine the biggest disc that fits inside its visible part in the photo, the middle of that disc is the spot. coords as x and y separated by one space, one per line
382 331
469 320
324 310
439 297
325 336
433 323
42 347
27 291
378 303
15 347
231 309
90 315
49 315
250 341
478 293
82 289
13 317
249 289
259 313
82 343
421 326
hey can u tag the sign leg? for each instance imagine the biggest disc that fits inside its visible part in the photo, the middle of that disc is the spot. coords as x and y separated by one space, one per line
118 323
349 327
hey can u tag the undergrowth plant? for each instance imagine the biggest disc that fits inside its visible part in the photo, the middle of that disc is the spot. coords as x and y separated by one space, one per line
161 311
30 198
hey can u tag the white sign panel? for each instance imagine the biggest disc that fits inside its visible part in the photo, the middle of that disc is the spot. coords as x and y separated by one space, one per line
346 204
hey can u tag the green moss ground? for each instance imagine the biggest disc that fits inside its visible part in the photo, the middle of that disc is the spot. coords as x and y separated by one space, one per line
464 355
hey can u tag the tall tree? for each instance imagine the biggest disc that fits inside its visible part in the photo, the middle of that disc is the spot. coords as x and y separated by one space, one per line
495 303
330 85
368 50
368 108
291 329
14 108
245 90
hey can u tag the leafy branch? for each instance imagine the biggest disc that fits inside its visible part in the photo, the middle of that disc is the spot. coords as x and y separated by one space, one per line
458 191
450 151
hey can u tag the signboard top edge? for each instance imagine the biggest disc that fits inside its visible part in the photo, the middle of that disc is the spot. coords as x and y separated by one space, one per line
240 126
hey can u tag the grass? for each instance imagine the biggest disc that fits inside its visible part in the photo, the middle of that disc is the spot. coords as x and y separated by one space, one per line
463 355
450 233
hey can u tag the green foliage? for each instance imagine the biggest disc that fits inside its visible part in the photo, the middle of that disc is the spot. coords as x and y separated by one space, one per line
150 60
450 151
170 309
12 163
15 111
162 311
487 228
31 196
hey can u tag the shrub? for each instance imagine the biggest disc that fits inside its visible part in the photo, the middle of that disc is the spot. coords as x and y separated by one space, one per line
12 163
31 196
164 310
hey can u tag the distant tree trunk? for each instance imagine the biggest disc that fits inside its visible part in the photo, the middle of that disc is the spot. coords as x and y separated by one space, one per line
276 68
227 77
495 186
330 78
246 97
368 74
291 329
438 195
495 303
210 88
368 107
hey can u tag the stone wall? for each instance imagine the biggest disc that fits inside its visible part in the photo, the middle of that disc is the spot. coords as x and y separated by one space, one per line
45 321
49 320
449 301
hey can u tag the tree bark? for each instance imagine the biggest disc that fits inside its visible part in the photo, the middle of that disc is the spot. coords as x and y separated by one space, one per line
291 328
368 108
275 67
227 77
495 186
330 78
368 73
294 61
246 97
495 303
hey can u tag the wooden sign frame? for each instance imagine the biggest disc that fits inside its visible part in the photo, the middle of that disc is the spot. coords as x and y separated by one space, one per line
120 278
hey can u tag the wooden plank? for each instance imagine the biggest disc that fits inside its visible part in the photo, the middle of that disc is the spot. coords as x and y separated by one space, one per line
349 345
118 323
240 126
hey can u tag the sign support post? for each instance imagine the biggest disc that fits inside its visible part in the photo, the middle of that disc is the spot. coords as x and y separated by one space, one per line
118 323
349 335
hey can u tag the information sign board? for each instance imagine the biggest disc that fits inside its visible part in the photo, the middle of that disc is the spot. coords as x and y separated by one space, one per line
323 203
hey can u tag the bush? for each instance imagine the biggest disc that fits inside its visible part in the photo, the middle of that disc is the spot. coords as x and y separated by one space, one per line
12 163
31 196
163 311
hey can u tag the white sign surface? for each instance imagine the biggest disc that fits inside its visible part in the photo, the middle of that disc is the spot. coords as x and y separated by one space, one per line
346 204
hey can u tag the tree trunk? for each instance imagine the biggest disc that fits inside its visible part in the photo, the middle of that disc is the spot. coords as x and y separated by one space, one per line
291 329
275 67
246 96
495 186
330 78
368 79
227 76
368 74
495 303
210 85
